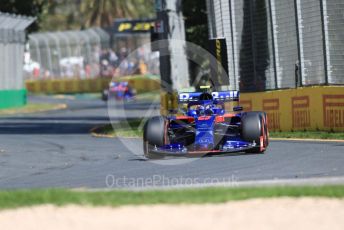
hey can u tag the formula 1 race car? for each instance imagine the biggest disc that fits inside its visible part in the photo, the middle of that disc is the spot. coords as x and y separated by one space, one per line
206 128
119 91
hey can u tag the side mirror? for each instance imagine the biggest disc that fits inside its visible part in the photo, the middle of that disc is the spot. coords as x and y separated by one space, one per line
238 108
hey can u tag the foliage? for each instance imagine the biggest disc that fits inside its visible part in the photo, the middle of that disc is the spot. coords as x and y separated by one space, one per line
195 15
56 15
196 28
102 12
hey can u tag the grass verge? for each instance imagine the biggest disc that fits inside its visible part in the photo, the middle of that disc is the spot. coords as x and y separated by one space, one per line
309 135
127 129
131 128
149 96
15 199
32 108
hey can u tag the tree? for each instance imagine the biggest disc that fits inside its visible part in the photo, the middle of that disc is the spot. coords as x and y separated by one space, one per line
75 14
103 12
196 28
62 15
196 22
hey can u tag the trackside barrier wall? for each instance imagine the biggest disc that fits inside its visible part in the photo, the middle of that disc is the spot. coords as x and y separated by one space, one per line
67 86
309 108
140 83
12 98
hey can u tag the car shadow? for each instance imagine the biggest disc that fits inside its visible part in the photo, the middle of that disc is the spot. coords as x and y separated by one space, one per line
143 159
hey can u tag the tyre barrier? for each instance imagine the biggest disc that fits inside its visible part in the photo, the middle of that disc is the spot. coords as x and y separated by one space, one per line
69 86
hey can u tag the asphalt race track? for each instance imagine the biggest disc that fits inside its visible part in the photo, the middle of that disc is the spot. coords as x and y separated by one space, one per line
55 149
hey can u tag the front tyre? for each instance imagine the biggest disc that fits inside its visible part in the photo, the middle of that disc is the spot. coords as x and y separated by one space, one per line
254 129
154 135
147 152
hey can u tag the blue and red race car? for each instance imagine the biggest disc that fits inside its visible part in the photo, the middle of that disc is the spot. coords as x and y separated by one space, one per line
118 91
206 128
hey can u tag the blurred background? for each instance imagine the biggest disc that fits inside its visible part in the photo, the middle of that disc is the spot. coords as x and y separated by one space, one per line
84 39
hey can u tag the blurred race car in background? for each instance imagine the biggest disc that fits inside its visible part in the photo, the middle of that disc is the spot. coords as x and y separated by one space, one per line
118 91
205 127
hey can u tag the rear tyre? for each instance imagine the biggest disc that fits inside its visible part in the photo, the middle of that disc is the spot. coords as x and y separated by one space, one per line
266 130
154 135
254 129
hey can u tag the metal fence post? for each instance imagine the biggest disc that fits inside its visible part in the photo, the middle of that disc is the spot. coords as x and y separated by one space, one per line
46 42
272 26
299 44
324 38
38 50
231 16
57 43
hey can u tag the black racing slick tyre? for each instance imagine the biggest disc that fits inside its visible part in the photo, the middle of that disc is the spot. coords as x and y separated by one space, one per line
254 129
154 135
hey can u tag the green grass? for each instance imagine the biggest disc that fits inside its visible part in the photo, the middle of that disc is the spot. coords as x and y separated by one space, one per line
18 198
31 108
150 96
130 128
123 130
309 135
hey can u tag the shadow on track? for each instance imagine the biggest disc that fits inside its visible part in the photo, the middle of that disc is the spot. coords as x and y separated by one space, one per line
46 128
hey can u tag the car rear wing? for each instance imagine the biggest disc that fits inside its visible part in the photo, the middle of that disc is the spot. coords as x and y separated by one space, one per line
217 96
